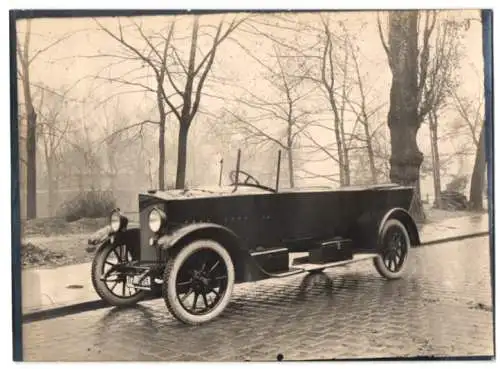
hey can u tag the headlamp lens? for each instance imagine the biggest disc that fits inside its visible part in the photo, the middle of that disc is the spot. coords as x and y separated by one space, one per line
156 219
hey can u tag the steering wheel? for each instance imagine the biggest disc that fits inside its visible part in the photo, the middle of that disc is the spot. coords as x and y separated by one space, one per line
249 179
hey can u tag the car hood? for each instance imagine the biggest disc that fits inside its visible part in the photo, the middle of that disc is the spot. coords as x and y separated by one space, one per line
205 192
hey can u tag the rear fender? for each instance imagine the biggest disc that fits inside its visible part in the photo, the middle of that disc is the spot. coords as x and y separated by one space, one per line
368 228
182 236
404 217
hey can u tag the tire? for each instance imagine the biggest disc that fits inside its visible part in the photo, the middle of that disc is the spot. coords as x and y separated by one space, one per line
104 291
185 265
400 254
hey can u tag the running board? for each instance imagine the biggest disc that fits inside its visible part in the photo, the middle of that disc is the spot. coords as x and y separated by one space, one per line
359 257
313 267
288 273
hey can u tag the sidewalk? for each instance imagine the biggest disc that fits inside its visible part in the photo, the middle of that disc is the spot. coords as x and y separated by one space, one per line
45 289
454 228
51 288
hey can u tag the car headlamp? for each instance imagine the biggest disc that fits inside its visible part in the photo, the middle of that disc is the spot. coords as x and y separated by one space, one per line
117 221
157 220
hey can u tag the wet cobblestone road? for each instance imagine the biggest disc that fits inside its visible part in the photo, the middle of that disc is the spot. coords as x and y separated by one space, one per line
443 307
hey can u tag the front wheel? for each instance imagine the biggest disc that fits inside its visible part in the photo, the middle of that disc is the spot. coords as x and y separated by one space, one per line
198 282
394 250
108 278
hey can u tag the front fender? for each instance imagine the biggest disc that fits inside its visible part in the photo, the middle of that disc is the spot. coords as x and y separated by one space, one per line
129 237
244 264
197 230
100 236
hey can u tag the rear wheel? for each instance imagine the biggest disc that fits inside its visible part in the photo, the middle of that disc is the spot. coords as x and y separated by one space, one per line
198 282
394 250
109 278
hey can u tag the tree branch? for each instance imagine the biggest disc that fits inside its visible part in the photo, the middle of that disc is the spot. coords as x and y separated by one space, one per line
384 43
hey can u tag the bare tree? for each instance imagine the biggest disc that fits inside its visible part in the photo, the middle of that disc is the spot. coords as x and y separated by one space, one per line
321 66
440 83
328 70
478 175
25 59
471 113
153 57
53 126
167 64
365 112
328 82
286 111
408 105
194 79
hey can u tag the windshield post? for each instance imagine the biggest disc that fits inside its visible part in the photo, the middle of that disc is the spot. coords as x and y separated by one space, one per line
221 162
237 170
278 171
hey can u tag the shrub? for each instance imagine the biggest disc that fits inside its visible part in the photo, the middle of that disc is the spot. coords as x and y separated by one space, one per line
90 204
457 184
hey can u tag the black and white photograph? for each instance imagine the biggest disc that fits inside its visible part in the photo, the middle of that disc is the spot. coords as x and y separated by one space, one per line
234 186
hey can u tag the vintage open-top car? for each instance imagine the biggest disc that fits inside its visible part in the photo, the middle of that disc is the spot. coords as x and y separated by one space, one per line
192 246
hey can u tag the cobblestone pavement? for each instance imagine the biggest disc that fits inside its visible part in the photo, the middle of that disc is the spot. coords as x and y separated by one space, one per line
443 307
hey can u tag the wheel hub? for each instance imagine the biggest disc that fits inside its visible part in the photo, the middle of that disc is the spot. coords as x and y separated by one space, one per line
201 278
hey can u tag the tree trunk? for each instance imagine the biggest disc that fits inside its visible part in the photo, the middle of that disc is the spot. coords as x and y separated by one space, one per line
80 176
347 169
478 175
53 198
24 60
181 155
436 163
290 151
369 142
371 155
345 150
290 167
30 144
340 152
31 162
365 122
403 121
50 187
161 157
161 140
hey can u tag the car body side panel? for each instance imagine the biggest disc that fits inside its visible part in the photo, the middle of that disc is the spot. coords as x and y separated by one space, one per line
293 219
254 218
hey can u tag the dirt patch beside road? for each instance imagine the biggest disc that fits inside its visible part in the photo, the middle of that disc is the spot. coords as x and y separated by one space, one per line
50 243
59 226
55 251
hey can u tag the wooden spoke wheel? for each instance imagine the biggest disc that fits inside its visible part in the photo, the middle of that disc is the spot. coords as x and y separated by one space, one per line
394 250
109 276
198 282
